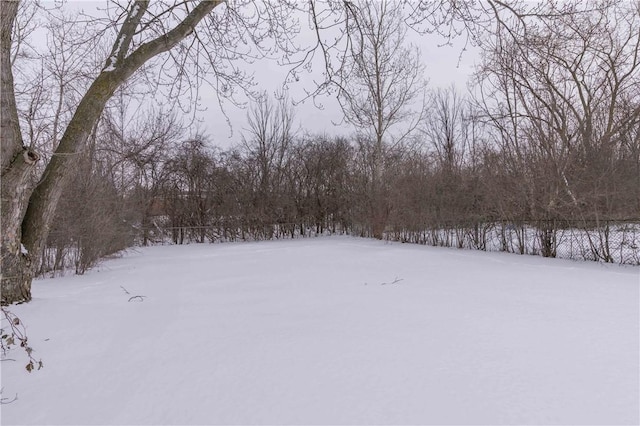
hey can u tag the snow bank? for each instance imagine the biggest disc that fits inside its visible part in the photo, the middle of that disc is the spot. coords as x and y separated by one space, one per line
304 332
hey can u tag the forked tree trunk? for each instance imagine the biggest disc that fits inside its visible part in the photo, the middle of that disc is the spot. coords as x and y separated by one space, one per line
27 212
17 168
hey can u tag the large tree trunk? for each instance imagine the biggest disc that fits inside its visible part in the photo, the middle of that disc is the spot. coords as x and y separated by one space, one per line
17 164
27 213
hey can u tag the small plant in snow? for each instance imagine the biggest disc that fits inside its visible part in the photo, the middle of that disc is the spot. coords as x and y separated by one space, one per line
13 333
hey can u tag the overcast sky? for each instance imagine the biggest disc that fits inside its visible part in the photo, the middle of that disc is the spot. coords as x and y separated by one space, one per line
444 66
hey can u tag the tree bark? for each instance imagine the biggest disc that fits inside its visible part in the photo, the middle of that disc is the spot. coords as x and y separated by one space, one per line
27 213
17 163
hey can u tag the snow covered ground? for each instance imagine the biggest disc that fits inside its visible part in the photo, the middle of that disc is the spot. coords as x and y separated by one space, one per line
315 331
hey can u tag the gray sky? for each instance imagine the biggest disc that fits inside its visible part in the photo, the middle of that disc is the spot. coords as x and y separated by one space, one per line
444 66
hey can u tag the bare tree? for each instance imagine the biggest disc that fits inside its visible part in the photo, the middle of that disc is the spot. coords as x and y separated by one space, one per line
189 189
320 182
562 92
145 30
380 88
268 141
383 78
445 128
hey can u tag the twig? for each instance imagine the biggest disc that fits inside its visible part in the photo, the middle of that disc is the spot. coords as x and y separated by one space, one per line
397 280
4 400
138 297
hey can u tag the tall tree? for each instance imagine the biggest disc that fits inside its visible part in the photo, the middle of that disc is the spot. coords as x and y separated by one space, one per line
380 90
268 140
16 163
212 31
563 94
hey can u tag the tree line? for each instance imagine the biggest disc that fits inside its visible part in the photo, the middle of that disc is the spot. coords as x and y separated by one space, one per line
281 183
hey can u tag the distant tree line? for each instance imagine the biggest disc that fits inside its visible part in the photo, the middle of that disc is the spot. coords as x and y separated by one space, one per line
461 173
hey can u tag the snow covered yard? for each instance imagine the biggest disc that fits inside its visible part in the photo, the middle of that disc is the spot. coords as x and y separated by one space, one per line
316 331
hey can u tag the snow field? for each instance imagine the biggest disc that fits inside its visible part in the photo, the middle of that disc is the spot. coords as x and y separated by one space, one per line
305 332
